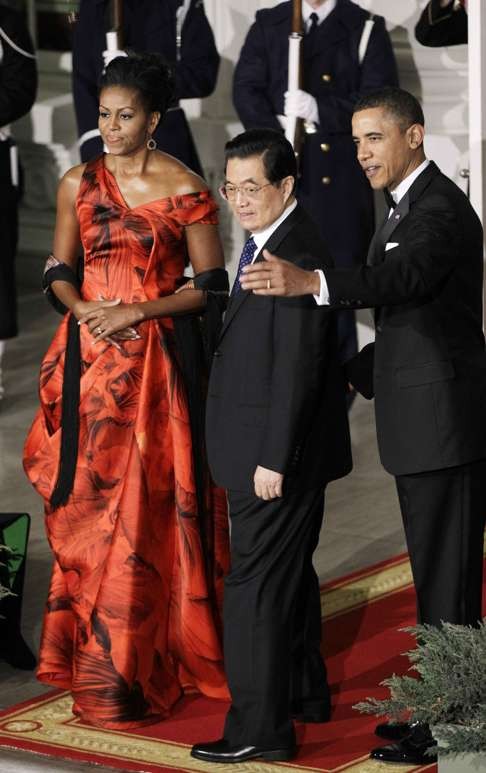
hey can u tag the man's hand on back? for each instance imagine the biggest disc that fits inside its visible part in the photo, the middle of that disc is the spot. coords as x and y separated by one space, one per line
268 484
274 276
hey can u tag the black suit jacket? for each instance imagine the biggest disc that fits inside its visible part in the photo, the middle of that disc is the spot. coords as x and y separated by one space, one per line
428 360
441 26
276 393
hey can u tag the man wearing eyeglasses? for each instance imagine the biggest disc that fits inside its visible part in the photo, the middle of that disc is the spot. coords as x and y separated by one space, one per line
277 433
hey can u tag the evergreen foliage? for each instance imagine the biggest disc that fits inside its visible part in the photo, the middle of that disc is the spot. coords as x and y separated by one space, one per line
450 693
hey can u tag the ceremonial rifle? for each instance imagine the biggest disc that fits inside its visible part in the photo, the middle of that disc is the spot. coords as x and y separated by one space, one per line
295 127
293 131
114 37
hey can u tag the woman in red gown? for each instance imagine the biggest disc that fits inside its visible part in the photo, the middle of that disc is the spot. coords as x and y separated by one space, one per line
138 532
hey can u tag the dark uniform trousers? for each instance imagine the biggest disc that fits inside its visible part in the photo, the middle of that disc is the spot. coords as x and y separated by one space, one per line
444 515
18 87
272 617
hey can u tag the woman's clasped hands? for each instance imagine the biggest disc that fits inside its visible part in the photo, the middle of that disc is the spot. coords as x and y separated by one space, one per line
109 320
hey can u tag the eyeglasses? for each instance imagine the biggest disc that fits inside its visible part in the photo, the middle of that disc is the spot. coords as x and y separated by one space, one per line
229 192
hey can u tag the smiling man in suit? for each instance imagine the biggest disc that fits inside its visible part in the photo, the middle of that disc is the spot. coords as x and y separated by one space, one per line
277 433
427 367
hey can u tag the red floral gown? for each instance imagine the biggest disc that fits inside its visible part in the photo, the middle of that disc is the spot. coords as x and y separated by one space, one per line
132 616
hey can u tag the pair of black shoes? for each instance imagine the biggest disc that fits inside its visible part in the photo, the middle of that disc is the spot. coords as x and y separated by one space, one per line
410 747
411 744
222 751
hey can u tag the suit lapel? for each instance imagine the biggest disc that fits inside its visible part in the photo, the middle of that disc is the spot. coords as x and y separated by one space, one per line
397 216
376 252
272 245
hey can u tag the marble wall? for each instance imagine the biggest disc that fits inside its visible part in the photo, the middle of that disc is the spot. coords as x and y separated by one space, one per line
48 136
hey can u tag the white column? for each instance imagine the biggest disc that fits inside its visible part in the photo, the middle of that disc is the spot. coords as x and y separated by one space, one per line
477 105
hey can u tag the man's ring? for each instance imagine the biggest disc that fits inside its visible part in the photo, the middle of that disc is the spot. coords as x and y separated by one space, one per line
268 284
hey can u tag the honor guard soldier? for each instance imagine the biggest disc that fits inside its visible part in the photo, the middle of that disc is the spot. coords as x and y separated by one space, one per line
177 29
18 88
346 52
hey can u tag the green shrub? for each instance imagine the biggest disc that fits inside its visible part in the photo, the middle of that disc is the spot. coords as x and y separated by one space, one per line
449 690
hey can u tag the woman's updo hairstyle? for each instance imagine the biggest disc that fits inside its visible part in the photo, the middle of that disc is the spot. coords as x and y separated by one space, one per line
147 74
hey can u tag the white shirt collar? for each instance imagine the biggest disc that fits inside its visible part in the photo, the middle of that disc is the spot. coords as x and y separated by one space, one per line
262 237
322 12
407 183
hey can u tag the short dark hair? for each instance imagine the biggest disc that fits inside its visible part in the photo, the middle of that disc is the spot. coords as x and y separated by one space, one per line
147 74
276 151
400 104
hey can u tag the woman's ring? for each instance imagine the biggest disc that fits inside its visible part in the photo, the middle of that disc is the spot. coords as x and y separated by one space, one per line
99 330
268 284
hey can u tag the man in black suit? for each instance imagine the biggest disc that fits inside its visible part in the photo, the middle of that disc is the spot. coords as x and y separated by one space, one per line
277 433
427 367
443 23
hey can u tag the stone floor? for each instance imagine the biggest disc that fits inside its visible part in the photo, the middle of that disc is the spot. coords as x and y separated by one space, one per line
362 523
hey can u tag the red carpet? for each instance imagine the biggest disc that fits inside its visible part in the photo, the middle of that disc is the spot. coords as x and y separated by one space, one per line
362 617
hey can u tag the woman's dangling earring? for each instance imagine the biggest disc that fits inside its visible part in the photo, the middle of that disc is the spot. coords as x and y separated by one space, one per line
151 144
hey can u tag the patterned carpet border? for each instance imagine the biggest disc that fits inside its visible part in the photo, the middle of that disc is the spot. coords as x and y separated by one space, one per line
46 725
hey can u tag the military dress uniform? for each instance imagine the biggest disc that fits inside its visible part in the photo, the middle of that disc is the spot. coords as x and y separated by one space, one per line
177 29
332 187
18 88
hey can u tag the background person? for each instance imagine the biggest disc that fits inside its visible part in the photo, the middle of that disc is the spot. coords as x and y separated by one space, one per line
332 187
138 531
176 29
277 433
443 23
427 367
18 88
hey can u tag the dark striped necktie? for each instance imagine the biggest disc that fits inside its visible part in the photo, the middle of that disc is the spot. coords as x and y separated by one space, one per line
314 23
246 258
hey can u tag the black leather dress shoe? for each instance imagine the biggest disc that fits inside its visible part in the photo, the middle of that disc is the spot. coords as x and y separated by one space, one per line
406 752
397 731
222 751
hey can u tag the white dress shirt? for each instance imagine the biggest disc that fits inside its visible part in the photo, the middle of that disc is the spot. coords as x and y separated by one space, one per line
261 237
322 11
323 298
400 191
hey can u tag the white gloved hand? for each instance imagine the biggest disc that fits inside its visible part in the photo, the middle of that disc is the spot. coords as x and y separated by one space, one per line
301 104
283 121
108 56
